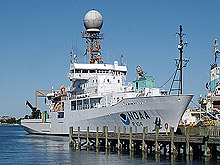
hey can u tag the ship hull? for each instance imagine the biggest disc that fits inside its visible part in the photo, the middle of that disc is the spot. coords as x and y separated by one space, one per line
131 112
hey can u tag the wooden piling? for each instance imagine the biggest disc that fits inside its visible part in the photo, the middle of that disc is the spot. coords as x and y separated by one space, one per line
215 131
187 142
165 149
79 140
71 142
103 129
106 137
157 147
87 138
144 148
130 140
207 152
172 140
146 129
206 149
135 129
114 129
124 130
190 151
97 137
151 150
119 143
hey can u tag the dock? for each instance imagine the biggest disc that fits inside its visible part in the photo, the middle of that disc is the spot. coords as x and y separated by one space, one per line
202 140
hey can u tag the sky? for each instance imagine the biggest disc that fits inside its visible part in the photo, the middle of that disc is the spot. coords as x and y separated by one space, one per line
36 37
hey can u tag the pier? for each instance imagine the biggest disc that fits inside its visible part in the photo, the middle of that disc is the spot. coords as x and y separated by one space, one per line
199 141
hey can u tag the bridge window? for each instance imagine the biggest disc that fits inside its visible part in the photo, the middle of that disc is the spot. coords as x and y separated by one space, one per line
92 71
79 104
124 72
85 71
60 115
73 105
77 71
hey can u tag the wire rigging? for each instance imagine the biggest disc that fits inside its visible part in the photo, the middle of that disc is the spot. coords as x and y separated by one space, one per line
167 80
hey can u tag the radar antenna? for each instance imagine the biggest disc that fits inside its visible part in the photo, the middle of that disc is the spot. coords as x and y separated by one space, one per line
93 23
140 72
180 64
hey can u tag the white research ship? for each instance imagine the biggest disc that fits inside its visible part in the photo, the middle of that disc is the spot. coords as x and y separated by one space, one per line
98 96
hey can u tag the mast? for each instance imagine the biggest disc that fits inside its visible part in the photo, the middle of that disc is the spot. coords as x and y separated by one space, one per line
180 47
214 78
93 23
93 47
179 63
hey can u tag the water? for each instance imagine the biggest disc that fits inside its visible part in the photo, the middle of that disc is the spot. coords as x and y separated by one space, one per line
18 147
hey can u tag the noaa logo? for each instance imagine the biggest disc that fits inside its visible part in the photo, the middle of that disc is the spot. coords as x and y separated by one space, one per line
124 119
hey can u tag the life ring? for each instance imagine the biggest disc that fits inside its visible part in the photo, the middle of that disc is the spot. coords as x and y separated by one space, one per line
63 90
166 125
185 121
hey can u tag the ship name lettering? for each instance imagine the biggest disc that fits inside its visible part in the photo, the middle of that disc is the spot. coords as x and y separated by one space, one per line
141 116
138 115
137 123
146 115
130 116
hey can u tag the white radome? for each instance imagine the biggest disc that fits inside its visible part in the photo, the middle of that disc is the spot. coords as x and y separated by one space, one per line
93 21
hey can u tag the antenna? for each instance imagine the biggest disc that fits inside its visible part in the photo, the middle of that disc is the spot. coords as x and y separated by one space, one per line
121 60
75 58
215 44
71 55
180 63
71 52
76 46
140 72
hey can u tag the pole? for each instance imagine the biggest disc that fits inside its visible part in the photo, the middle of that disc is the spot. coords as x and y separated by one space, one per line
97 137
71 142
172 140
106 137
157 147
181 60
119 143
187 141
130 139
87 137
79 140
124 130
143 141
36 99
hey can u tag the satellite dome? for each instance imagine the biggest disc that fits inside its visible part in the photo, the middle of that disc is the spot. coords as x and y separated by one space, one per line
93 21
